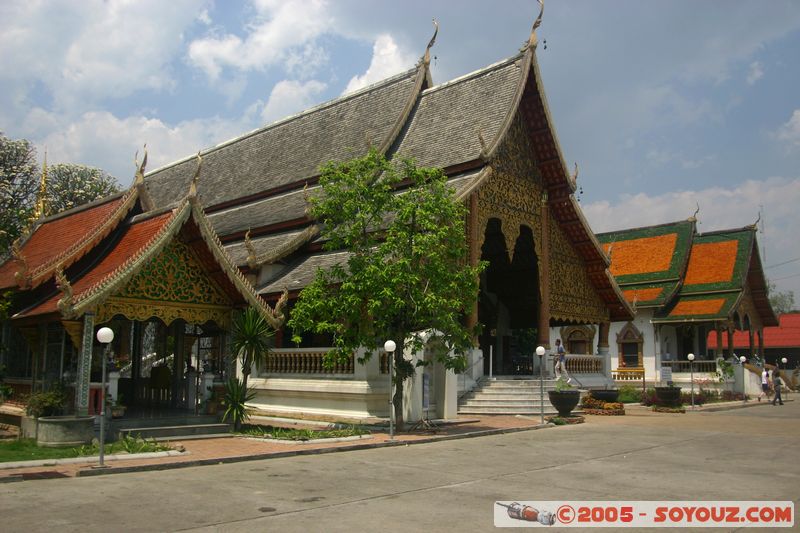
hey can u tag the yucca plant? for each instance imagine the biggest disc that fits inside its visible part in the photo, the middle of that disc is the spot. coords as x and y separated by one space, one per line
236 397
250 340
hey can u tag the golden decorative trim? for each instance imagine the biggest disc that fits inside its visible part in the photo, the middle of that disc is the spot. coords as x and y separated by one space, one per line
168 312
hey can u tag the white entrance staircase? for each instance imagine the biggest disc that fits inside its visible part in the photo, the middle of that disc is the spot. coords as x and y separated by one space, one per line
507 396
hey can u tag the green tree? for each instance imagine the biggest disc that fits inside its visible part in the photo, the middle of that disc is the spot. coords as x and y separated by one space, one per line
19 178
70 185
250 340
781 301
406 269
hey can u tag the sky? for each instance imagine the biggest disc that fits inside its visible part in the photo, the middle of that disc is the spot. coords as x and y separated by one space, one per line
665 106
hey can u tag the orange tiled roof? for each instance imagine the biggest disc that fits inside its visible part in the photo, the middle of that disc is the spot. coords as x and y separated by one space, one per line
642 295
54 237
643 255
711 262
135 238
710 306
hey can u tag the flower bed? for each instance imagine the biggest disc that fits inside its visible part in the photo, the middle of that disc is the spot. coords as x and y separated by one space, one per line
664 409
592 406
565 420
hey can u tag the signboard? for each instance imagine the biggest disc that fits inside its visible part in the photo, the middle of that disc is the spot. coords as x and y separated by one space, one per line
426 390
666 374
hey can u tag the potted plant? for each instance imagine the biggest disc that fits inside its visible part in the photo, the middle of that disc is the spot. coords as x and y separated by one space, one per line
669 396
117 407
605 395
564 398
212 404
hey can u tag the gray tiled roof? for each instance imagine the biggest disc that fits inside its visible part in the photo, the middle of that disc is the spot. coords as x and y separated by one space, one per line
443 130
302 273
260 213
238 251
292 149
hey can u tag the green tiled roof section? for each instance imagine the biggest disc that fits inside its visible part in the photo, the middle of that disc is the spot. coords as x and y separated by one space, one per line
687 301
683 229
667 291
740 267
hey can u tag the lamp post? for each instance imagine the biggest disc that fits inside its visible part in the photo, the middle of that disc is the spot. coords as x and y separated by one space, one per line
540 353
690 357
784 361
743 360
389 347
105 336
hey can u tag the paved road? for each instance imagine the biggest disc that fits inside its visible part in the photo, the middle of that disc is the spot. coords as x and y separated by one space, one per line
445 486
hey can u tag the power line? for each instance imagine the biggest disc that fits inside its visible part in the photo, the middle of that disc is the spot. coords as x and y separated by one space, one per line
784 263
786 277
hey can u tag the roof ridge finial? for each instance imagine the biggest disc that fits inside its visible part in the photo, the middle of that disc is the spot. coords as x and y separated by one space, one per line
139 174
533 40
426 59
193 184
22 276
754 225
251 250
65 304
693 218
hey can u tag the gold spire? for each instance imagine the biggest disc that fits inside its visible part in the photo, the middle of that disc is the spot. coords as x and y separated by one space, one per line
41 202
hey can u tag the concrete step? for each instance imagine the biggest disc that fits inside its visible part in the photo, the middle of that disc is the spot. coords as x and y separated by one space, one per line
175 420
506 411
510 402
163 432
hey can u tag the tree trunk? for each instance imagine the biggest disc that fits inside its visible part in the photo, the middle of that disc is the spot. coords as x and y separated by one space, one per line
397 400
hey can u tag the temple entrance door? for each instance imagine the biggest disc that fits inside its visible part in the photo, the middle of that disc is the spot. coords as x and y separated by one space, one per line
509 301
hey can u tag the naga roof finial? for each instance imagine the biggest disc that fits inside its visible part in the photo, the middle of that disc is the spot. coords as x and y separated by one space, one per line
139 176
22 276
754 225
693 218
193 185
65 303
427 57
251 250
533 40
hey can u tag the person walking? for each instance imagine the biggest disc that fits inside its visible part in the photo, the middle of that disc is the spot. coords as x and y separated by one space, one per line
764 384
561 362
776 383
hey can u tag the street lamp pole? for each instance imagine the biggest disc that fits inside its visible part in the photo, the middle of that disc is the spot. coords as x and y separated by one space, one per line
389 347
540 353
105 336
743 360
690 357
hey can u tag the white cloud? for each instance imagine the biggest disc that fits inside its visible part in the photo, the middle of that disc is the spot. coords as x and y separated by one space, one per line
289 96
83 52
387 59
790 132
100 139
278 27
755 73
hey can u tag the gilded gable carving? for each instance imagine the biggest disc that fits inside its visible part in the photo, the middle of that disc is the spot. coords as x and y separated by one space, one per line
174 276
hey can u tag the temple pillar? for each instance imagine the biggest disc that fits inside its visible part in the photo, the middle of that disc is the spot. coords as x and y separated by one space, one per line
474 257
752 343
730 342
84 366
719 351
544 277
761 345
602 340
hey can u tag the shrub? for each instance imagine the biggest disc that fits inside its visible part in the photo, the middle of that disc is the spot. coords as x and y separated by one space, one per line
236 397
630 394
50 403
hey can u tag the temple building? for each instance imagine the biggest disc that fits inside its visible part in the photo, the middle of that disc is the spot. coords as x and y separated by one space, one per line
685 287
161 247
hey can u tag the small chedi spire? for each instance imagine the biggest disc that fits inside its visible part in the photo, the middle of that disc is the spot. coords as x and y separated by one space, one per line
41 201
533 40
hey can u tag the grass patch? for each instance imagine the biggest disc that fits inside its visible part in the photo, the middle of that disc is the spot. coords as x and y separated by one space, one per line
27 450
271 432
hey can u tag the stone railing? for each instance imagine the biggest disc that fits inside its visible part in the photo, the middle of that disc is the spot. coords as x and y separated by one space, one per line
627 374
584 364
685 367
304 361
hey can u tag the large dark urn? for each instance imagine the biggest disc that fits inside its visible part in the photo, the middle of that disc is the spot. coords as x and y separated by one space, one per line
668 396
564 401
606 395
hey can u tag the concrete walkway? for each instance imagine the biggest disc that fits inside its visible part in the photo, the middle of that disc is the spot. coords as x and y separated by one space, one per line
236 449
